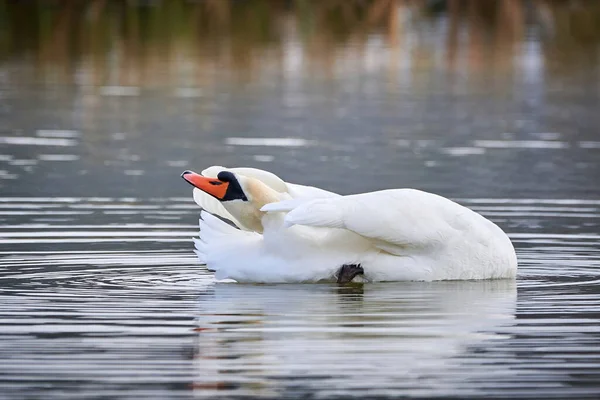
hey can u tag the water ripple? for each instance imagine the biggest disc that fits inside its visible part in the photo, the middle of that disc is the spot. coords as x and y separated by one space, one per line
125 303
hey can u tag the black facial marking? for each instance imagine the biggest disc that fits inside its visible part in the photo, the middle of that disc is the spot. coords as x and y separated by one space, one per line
226 176
234 190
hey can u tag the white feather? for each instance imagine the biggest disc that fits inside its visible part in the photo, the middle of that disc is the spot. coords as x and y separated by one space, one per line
323 213
285 205
308 192
213 206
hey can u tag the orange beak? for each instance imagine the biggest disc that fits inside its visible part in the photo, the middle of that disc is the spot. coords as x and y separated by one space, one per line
212 186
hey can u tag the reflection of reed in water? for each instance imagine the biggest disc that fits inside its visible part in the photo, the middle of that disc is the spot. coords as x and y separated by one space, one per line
180 43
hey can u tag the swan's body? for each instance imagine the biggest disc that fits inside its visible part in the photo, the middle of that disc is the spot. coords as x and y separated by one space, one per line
400 234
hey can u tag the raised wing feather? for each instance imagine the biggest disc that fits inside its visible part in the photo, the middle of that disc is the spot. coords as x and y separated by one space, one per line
391 218
311 212
214 206
285 205
302 191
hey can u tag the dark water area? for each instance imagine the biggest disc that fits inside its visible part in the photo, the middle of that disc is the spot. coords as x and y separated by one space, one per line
103 104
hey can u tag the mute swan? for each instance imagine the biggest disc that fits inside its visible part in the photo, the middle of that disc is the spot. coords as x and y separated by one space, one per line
388 235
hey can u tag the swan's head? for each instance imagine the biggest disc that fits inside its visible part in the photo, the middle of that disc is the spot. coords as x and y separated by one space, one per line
226 187
241 195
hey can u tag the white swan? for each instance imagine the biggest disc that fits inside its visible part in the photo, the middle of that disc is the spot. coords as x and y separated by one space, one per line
389 235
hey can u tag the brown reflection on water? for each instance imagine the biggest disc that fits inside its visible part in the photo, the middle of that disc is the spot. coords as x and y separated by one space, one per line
188 44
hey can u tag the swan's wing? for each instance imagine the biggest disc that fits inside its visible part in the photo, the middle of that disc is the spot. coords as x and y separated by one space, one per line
302 191
392 219
286 205
214 206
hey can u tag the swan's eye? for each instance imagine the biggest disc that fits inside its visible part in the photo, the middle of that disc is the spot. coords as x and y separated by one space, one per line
216 183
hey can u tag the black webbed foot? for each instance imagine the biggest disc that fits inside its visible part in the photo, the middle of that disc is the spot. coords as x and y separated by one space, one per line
347 272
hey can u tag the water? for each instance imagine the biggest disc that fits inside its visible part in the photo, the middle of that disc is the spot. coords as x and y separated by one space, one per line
100 294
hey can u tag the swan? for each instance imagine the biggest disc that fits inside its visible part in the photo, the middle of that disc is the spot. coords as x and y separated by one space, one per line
387 235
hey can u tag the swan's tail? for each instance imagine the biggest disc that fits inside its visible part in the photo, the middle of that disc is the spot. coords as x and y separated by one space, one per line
217 241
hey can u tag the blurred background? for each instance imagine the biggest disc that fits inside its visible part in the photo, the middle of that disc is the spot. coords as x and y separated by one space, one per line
103 103
460 97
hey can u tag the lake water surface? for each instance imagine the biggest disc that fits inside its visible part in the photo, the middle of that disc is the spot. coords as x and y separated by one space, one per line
103 104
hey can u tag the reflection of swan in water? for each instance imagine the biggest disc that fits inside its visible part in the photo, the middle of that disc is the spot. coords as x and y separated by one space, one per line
266 340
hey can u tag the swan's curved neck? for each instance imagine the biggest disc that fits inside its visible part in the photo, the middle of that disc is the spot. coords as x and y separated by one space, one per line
248 212
260 194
